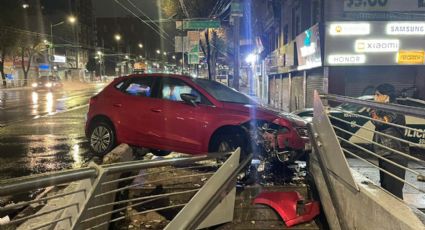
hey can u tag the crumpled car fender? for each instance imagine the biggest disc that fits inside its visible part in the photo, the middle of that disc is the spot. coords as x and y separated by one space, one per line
285 204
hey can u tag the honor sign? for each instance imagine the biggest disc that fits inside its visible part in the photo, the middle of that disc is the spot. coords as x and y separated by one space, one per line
375 43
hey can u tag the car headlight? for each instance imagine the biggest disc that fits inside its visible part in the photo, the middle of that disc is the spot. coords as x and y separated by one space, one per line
302 131
34 84
48 85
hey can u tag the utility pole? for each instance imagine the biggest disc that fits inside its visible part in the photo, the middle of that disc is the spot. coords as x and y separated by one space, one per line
236 13
236 53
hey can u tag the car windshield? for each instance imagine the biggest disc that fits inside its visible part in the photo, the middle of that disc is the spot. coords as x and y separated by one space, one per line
223 93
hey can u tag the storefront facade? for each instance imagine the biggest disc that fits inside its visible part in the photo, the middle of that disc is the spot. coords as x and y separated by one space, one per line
354 49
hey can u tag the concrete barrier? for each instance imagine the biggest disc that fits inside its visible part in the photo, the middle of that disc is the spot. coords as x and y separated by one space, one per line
369 208
121 153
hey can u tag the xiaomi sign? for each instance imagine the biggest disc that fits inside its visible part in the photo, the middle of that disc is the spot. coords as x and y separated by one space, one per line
377 45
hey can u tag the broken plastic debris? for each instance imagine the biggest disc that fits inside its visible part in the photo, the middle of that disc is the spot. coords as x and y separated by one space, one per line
4 220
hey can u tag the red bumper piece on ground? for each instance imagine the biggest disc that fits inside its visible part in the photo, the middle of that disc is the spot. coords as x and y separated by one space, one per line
285 204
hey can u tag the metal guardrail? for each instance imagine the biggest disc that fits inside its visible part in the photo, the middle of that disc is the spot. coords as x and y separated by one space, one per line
342 123
88 200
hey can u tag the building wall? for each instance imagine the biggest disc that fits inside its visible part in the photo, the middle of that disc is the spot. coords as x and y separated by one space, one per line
297 17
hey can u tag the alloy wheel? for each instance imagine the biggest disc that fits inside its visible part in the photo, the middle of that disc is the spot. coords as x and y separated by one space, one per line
100 139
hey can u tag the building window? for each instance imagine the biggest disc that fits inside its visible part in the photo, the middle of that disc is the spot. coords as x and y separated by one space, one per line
315 12
285 34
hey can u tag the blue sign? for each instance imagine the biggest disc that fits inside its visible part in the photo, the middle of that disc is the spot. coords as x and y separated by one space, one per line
9 76
44 67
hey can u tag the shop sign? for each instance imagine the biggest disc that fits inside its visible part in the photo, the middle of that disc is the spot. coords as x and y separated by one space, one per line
308 48
8 67
380 47
44 67
384 5
338 29
343 59
59 59
377 45
181 44
411 57
403 28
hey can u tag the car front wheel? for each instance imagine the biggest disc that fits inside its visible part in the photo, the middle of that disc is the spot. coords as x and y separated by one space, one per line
102 138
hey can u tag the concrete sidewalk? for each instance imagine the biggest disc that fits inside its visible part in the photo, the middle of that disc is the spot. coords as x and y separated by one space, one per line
412 196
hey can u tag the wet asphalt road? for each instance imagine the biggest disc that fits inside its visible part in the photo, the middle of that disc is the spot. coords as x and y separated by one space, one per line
43 131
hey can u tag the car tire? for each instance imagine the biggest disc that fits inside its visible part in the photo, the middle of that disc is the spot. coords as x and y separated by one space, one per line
160 153
102 138
228 143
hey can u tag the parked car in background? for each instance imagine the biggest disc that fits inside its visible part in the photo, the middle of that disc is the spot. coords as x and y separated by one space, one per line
191 115
47 83
343 112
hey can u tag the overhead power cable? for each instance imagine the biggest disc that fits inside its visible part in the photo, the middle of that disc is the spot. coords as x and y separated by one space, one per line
183 6
143 13
135 15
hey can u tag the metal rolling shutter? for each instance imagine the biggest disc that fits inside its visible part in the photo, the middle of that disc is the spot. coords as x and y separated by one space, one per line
355 85
285 91
297 93
315 81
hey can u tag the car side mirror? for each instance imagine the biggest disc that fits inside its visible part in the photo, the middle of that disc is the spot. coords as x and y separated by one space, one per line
189 98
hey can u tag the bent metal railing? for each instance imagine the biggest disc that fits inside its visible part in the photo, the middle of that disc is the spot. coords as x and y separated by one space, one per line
351 148
342 142
87 198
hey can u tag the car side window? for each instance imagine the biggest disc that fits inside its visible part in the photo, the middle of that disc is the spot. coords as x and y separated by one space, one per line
139 87
173 88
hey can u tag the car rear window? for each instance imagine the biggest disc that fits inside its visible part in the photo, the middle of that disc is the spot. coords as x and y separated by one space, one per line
138 87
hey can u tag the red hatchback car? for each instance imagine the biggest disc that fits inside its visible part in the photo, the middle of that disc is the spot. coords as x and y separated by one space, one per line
190 115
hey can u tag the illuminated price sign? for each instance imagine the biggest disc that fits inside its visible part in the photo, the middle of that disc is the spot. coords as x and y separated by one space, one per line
384 5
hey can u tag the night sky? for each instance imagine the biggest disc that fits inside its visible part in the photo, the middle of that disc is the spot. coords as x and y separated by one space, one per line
109 8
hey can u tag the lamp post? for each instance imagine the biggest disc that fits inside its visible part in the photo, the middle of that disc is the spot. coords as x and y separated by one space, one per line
71 19
117 38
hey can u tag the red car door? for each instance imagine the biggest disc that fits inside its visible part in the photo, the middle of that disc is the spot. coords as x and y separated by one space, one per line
137 124
184 127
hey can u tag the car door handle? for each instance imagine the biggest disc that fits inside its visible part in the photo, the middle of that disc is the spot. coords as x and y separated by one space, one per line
156 110
119 105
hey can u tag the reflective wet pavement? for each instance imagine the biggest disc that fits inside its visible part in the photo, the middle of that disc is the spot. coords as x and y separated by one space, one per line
43 131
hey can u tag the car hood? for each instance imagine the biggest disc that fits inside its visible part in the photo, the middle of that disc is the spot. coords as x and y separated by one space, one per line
264 113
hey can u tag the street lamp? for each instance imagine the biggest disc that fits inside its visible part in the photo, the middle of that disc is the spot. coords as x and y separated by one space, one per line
25 5
140 45
174 57
71 20
117 37
158 51
165 53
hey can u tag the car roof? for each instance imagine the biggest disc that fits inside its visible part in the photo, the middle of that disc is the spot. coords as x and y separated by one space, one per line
158 75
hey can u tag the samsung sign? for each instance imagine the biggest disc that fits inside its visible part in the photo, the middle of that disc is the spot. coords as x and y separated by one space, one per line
405 28
375 43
